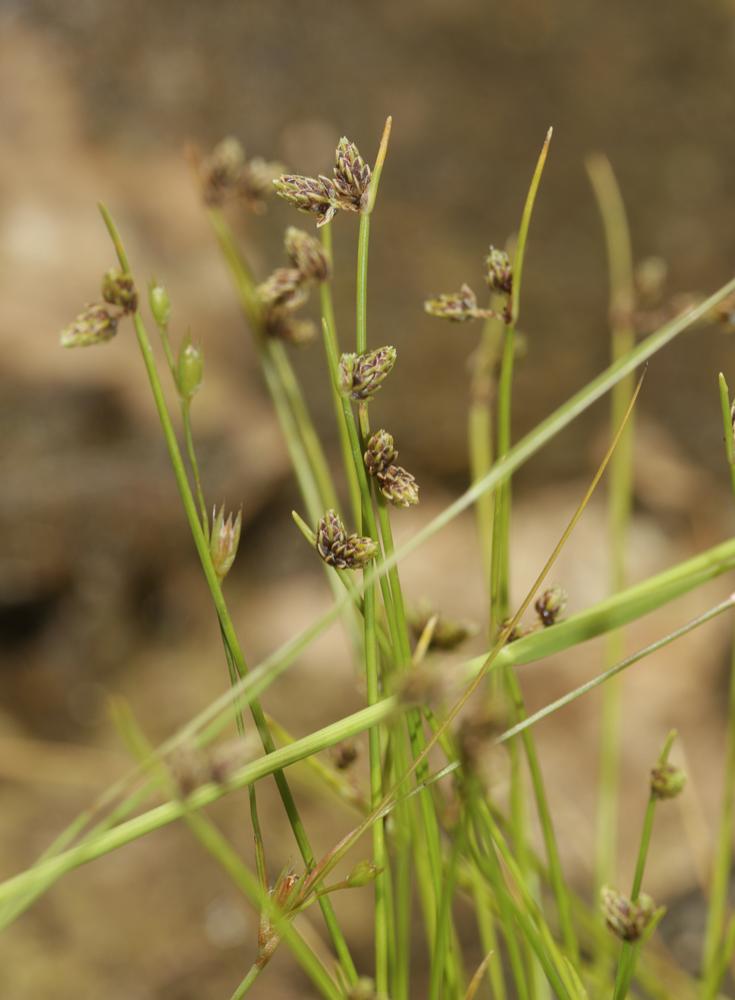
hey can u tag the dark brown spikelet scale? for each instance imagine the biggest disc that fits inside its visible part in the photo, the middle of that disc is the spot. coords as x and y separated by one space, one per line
339 549
380 453
398 486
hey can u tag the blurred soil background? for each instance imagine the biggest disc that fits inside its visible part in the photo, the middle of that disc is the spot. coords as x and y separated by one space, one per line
100 592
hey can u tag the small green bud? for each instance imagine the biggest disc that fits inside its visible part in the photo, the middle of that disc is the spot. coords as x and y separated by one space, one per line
160 304
667 781
224 541
398 486
94 325
363 873
361 375
118 289
626 919
550 605
189 369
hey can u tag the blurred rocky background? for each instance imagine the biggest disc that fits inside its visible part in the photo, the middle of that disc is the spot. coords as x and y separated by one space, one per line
99 589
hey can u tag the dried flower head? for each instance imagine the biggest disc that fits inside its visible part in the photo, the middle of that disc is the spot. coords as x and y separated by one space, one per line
285 895
650 278
282 324
398 486
667 781
626 919
351 175
447 633
499 271
94 325
380 452
227 758
255 183
550 605
306 254
189 769
282 288
361 375
224 540
220 171
344 754
118 289
315 195
457 306
339 549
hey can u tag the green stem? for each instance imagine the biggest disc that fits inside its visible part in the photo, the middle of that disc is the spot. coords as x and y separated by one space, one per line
330 329
628 953
247 982
220 605
191 453
620 493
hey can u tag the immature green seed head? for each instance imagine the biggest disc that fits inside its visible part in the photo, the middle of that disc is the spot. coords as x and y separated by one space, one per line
361 375
667 781
94 325
498 271
626 919
306 254
160 304
118 289
398 486
363 873
380 452
189 369
224 540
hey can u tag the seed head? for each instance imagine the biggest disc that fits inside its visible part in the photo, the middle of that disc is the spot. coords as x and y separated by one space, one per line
667 781
550 605
626 919
498 271
363 873
94 325
283 287
447 634
255 183
224 540
306 254
189 369
344 754
118 289
398 486
351 175
316 195
160 304
221 170
457 306
339 549
283 325
285 894
361 375
380 452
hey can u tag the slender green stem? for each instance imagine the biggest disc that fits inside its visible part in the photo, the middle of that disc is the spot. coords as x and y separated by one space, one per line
442 940
221 607
252 974
330 329
628 953
620 493
712 969
194 464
